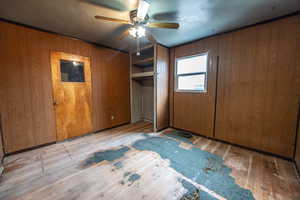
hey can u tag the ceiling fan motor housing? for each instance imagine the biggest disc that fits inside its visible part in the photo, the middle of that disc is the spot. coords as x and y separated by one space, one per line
135 20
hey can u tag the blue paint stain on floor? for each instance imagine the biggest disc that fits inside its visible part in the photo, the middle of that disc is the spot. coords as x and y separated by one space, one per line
182 136
130 178
200 166
118 165
193 190
134 177
109 155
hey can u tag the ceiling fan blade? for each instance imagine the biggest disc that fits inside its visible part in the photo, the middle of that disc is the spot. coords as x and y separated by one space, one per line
142 10
113 19
167 16
162 25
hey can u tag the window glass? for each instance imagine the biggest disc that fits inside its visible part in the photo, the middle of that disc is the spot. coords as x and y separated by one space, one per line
192 82
191 73
71 71
192 64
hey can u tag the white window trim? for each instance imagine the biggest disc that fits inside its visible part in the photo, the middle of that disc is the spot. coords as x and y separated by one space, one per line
189 74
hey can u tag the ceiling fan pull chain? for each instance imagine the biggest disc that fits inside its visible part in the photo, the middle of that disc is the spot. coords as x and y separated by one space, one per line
138 46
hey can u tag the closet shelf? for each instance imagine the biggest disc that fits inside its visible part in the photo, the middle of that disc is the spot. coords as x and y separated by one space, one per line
145 48
145 62
142 75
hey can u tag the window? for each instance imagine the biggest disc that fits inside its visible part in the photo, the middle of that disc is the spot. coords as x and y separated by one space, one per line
191 73
71 71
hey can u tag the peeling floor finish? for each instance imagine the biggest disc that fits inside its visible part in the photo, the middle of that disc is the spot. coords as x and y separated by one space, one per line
200 166
131 162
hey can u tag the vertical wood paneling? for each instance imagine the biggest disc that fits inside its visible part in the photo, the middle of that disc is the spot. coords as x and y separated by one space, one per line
162 88
1 146
111 85
297 153
171 88
26 102
297 150
258 86
195 111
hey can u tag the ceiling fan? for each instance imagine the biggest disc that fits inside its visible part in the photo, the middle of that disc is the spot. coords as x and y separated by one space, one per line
140 22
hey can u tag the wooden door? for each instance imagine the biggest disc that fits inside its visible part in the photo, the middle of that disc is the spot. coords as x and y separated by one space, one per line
162 87
71 77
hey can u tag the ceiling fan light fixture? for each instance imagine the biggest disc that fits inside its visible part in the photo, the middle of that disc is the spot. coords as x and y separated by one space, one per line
137 32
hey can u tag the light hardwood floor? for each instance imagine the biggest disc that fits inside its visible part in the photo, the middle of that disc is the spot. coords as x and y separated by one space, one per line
55 171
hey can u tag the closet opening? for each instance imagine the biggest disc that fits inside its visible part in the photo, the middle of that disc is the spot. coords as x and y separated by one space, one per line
142 85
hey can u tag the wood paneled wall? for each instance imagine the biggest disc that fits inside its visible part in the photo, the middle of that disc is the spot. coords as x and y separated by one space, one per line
111 88
162 87
26 102
1 149
195 111
258 89
171 86
297 152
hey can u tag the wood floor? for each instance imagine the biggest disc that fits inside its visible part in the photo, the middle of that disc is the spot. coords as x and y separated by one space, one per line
56 171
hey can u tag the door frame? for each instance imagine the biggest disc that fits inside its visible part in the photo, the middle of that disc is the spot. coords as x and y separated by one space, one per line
87 73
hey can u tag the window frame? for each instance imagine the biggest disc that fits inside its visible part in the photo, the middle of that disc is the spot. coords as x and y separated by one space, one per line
176 76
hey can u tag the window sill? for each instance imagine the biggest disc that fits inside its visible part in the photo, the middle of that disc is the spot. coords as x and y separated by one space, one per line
190 91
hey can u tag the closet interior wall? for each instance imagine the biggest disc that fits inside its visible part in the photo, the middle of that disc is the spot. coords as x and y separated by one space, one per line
142 83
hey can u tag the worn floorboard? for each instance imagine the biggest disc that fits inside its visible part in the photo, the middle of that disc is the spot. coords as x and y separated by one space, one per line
78 169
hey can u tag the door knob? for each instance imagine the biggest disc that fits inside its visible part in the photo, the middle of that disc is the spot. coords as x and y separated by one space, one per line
55 103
